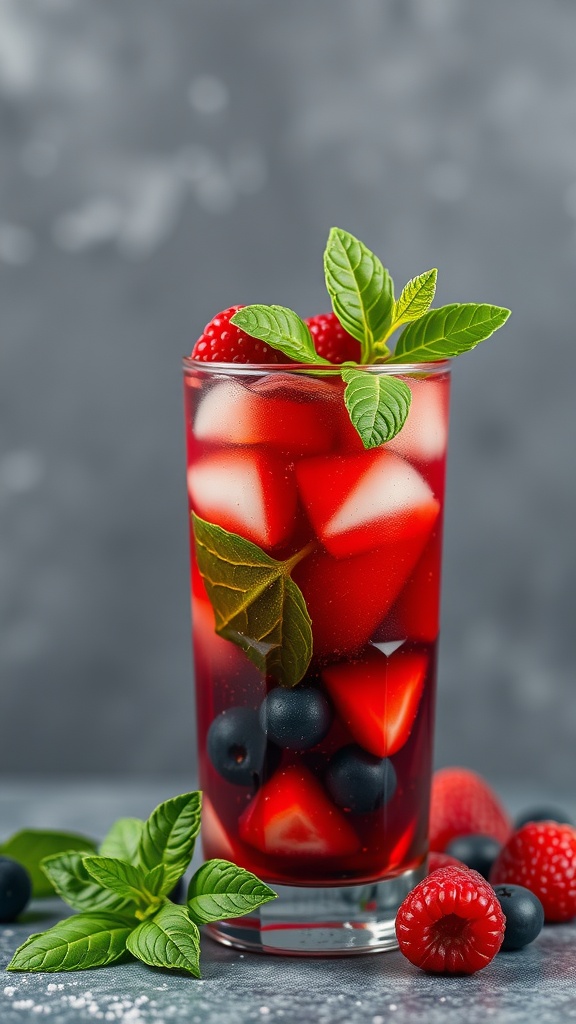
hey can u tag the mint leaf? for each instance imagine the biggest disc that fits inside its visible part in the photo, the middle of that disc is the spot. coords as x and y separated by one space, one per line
30 846
123 839
220 889
169 939
85 940
361 289
448 331
377 405
169 836
155 881
121 878
76 887
280 328
415 299
256 604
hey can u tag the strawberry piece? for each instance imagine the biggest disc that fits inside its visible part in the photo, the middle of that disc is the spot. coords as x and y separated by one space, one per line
332 587
232 414
251 493
451 923
378 697
443 860
223 342
541 856
292 816
356 502
331 341
215 839
416 613
462 803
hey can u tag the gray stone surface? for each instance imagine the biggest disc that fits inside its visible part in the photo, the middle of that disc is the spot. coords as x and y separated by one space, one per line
159 161
538 984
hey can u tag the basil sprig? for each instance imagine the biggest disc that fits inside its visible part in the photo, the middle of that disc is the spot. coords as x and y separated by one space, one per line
123 903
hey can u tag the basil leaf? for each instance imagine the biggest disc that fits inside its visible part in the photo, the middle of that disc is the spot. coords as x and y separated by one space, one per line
123 839
155 881
169 939
415 298
361 289
169 836
280 328
377 405
256 604
77 887
118 876
448 331
84 940
30 846
220 890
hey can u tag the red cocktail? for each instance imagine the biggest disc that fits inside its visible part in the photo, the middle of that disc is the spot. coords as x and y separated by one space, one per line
326 782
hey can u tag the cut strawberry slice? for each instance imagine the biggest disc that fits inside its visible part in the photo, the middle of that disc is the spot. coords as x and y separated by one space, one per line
215 840
348 597
251 493
291 816
233 414
358 502
416 614
378 697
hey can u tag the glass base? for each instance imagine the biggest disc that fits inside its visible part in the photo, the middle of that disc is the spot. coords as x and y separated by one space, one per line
328 921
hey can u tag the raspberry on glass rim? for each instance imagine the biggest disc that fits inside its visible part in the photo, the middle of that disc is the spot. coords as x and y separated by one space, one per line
223 342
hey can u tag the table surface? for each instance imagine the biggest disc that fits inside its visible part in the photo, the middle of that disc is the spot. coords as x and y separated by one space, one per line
538 984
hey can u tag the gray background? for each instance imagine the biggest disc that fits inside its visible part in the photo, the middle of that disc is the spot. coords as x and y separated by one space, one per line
162 159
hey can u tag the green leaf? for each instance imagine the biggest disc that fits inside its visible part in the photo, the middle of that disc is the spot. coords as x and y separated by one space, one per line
448 331
120 877
77 888
169 836
169 939
377 405
155 881
280 328
30 846
81 941
220 890
256 604
361 289
415 298
123 839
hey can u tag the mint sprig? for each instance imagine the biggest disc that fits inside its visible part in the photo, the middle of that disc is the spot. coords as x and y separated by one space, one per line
124 910
256 603
362 295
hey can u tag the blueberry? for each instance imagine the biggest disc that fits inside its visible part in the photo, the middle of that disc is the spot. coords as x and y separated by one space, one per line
236 746
476 851
15 889
358 781
295 719
543 813
524 915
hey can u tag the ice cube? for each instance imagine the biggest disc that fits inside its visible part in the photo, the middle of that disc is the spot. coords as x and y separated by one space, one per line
424 435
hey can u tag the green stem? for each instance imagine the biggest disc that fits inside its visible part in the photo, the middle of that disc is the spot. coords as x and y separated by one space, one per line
294 559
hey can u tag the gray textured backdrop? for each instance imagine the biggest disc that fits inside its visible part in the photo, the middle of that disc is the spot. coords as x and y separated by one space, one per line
162 159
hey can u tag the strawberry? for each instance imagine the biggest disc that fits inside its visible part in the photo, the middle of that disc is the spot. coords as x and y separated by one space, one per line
377 697
416 613
292 816
541 856
451 923
463 803
331 341
223 342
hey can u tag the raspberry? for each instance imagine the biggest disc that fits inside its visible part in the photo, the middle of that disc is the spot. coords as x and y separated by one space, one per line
223 342
331 341
443 860
451 923
463 803
541 856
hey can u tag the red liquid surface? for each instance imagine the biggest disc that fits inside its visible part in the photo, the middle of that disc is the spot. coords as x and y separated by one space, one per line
274 458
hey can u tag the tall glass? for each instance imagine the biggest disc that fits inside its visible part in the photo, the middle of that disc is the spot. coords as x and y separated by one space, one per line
319 786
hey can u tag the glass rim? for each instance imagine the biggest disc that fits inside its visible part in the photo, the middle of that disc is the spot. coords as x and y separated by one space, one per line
247 369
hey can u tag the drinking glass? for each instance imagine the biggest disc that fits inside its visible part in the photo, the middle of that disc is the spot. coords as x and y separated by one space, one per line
315 764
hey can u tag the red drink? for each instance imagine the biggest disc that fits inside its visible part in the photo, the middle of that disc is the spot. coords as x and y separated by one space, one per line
327 782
